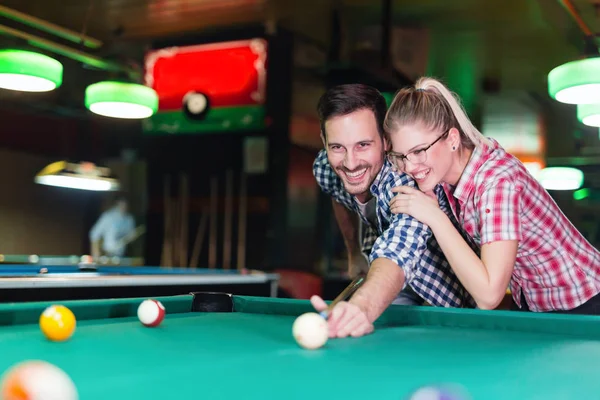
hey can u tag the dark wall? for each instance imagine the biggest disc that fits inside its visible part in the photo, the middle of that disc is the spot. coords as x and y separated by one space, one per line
206 155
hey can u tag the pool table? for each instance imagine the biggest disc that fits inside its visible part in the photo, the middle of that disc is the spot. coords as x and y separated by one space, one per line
73 259
221 346
35 282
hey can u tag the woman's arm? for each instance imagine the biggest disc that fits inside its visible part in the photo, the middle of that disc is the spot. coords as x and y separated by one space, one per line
486 279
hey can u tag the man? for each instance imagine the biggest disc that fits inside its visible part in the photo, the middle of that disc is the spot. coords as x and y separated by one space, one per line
402 252
114 228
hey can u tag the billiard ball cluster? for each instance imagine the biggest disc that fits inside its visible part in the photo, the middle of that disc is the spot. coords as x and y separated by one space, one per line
41 380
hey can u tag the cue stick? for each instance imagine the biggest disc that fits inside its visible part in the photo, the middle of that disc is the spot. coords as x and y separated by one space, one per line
183 227
227 221
212 248
137 232
346 293
197 249
243 208
175 217
167 243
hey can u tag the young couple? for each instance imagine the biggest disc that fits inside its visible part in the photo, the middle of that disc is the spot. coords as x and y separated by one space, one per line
450 218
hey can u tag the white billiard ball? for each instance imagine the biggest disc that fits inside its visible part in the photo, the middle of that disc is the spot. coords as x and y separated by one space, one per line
310 330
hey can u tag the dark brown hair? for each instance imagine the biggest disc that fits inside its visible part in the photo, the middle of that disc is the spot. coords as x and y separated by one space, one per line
348 98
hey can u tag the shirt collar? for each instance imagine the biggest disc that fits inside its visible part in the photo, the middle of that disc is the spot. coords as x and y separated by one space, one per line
466 184
385 168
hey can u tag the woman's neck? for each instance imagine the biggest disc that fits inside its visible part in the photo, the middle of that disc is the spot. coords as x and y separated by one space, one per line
458 166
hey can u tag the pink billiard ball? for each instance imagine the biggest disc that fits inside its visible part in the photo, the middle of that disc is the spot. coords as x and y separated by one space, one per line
151 312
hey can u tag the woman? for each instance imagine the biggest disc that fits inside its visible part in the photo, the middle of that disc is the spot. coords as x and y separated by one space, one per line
519 234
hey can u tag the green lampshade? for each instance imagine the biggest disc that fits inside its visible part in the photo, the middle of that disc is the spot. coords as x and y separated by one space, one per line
560 178
121 100
28 71
589 114
576 82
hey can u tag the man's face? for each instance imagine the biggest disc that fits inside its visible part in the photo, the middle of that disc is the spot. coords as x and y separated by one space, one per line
355 150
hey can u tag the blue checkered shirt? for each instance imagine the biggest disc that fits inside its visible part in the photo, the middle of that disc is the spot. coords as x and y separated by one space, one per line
399 237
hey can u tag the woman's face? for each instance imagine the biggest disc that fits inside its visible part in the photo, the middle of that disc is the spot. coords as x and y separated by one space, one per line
430 154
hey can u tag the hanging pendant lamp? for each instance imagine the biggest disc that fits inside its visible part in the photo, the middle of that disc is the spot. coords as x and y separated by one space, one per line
28 71
576 82
560 178
121 100
83 176
589 114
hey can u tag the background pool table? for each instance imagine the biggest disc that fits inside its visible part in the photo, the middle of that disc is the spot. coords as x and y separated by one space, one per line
36 282
214 346
72 259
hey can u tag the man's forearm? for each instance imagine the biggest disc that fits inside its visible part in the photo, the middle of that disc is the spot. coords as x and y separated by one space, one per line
348 224
95 248
383 283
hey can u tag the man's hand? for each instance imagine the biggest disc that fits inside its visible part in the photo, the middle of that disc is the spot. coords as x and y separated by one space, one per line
346 319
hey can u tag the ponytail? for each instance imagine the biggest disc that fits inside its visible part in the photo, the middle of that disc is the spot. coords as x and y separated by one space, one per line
431 104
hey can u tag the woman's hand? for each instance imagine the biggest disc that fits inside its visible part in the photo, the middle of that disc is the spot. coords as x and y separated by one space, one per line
415 203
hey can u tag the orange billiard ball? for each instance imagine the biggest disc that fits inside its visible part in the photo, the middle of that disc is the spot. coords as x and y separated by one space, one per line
37 379
58 323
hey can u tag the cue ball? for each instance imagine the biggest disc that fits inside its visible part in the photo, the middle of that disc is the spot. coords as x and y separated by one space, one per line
58 323
310 330
38 380
151 312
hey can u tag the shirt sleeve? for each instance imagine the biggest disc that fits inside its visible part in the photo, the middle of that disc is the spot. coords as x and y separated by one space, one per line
130 224
99 228
499 208
405 240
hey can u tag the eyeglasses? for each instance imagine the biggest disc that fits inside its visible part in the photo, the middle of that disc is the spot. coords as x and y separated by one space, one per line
418 156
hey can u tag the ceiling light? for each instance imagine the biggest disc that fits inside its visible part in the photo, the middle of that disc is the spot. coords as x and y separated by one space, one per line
589 114
28 71
576 82
560 178
83 176
121 100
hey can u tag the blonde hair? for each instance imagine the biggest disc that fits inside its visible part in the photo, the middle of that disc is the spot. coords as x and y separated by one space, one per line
431 104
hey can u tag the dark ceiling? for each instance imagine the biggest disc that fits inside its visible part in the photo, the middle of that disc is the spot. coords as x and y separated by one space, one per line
514 44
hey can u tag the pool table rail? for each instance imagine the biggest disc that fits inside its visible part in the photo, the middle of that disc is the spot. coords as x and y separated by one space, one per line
576 326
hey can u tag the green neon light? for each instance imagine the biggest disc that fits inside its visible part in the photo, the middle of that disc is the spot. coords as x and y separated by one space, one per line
218 119
581 194
121 100
589 114
28 71
576 82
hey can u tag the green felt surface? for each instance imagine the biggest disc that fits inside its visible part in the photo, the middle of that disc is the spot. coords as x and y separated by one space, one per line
250 354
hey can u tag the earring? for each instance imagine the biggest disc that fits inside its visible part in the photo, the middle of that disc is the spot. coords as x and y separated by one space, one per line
453 148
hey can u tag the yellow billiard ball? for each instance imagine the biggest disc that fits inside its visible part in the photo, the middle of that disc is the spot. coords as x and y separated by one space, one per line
58 323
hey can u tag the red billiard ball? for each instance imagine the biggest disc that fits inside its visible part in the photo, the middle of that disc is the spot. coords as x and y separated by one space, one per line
151 312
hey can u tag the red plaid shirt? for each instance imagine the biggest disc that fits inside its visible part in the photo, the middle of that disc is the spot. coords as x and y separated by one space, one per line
497 199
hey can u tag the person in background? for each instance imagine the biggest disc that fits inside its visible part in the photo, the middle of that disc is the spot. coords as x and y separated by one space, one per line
112 231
